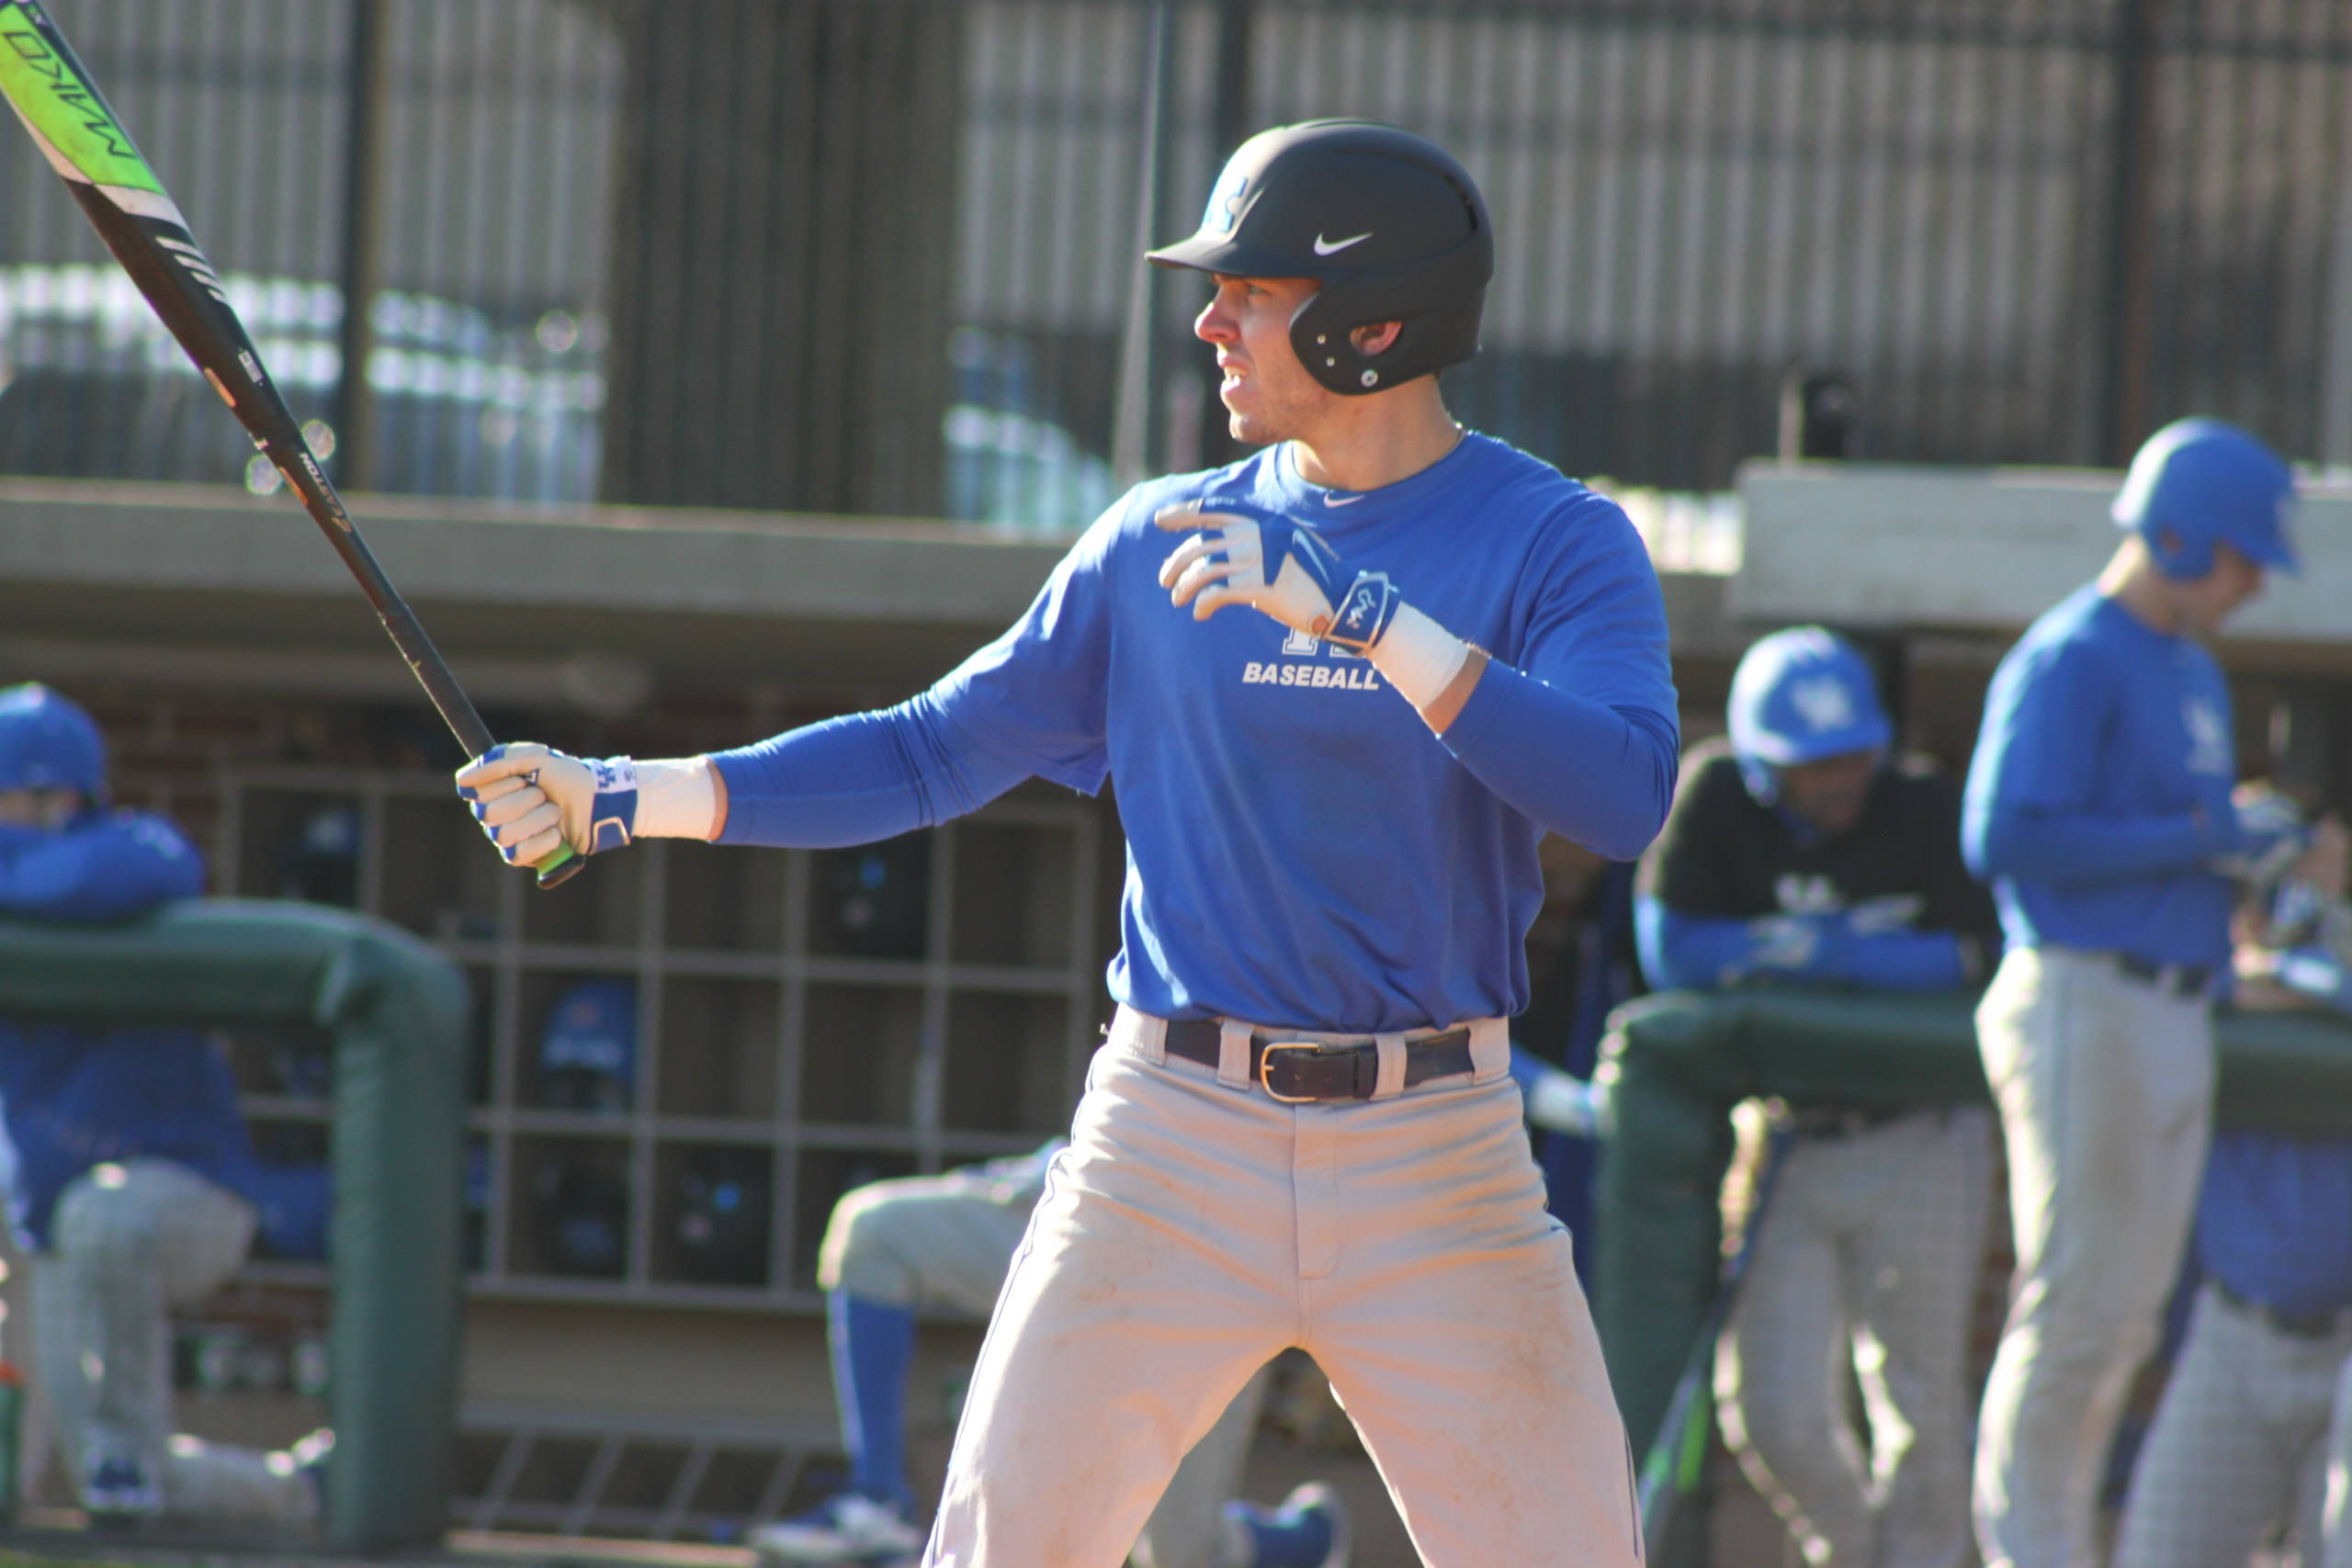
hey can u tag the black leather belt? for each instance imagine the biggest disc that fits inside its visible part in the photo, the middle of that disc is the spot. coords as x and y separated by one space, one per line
2319 1325
1301 1070
2172 979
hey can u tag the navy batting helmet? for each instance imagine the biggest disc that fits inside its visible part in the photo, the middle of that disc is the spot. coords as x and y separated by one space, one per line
2198 483
1388 222
47 742
1798 697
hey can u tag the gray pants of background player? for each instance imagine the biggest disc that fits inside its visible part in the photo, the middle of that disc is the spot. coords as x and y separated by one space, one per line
2239 1446
1866 1259
2105 1088
126 1245
1196 1227
946 1241
2335 1528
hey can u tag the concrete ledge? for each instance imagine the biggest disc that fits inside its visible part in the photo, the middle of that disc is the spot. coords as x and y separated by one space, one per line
1885 546
606 559
210 587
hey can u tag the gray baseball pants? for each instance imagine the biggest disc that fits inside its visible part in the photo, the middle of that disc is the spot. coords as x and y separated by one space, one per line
2239 1446
948 1241
1866 1261
1196 1227
127 1244
2336 1523
2105 1085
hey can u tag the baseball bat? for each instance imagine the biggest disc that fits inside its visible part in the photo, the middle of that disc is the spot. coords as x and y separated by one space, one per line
78 133
1671 1468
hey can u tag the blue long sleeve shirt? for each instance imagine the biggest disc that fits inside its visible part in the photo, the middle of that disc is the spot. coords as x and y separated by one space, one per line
1301 850
2106 752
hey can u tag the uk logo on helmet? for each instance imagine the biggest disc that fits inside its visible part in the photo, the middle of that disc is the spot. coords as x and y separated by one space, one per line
1824 704
1226 206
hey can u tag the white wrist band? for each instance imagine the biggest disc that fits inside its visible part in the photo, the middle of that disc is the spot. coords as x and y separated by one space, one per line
1561 1102
676 799
1419 658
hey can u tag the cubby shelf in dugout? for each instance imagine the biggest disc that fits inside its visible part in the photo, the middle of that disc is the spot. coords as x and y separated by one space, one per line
788 1024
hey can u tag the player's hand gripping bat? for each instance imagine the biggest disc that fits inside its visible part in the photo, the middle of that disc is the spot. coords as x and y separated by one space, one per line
78 133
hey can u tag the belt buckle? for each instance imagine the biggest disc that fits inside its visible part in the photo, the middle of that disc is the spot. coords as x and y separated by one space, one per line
1266 1062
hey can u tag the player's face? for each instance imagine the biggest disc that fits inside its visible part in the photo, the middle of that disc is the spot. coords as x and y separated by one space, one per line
48 809
1265 390
1829 793
2208 600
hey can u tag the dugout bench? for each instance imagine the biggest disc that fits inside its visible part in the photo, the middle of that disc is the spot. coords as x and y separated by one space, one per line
395 1012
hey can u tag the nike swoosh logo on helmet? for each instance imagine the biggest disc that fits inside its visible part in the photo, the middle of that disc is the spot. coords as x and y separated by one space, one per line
1333 247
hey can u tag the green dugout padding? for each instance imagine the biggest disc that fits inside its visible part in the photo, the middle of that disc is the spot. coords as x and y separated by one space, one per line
397 1014
1683 1059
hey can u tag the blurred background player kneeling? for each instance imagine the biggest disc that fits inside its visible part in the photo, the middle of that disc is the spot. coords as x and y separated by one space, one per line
133 1184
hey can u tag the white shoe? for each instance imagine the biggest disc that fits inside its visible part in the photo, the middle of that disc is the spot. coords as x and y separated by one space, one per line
847 1525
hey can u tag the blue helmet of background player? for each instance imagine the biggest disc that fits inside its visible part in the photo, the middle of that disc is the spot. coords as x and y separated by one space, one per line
47 742
2198 483
1799 696
588 1047
1388 223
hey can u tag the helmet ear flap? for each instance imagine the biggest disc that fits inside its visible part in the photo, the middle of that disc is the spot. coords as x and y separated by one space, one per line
1326 346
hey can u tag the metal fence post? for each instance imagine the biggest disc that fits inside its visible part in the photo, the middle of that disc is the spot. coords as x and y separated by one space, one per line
1139 357
2131 284
355 411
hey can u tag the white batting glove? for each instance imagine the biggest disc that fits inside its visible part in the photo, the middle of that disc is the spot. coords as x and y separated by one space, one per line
1784 941
1241 553
532 800
529 799
1284 568
2266 835
1889 912
1558 1101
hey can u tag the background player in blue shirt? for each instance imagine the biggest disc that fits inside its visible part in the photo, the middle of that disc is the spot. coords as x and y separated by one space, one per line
1800 853
2099 805
130 1179
2238 1450
1302 1131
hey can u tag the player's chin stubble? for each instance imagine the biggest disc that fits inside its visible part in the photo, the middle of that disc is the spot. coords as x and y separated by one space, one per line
1256 426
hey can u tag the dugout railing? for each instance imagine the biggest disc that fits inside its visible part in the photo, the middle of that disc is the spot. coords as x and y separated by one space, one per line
395 1013
1682 1060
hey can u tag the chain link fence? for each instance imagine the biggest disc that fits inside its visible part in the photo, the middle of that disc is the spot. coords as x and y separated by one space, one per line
881 257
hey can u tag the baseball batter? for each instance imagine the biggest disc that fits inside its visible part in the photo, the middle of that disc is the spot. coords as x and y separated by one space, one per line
1799 852
2099 805
1344 685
